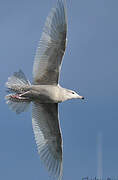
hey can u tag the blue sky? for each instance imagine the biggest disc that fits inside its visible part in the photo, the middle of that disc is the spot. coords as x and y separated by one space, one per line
90 67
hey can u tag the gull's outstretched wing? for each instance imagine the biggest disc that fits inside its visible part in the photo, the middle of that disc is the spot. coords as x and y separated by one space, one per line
48 136
52 46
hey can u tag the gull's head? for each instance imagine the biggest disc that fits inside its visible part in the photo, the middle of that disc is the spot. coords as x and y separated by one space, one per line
70 94
75 95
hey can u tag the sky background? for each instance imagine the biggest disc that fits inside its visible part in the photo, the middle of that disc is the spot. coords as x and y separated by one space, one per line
90 67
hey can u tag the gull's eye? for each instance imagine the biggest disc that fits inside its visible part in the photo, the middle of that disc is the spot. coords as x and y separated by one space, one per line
73 93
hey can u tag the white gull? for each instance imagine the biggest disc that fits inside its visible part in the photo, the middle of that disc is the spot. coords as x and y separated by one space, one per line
45 93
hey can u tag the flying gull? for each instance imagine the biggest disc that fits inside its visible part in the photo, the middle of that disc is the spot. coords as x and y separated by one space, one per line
45 92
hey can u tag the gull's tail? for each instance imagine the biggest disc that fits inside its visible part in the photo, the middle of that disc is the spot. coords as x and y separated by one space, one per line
18 85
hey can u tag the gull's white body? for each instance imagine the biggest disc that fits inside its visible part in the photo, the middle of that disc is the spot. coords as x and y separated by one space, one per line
45 93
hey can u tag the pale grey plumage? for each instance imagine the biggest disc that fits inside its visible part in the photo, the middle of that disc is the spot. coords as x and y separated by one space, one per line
47 135
45 93
46 70
51 47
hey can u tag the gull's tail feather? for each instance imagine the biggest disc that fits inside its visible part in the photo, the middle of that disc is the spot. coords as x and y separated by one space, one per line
16 104
19 85
18 82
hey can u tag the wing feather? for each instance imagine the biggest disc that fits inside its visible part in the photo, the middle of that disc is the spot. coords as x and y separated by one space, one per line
48 136
52 46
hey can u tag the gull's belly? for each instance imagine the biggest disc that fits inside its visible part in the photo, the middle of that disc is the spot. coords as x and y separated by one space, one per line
45 93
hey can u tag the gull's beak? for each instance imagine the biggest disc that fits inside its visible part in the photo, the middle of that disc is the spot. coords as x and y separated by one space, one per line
80 97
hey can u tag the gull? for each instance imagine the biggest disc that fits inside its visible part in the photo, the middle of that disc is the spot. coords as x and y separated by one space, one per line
45 92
